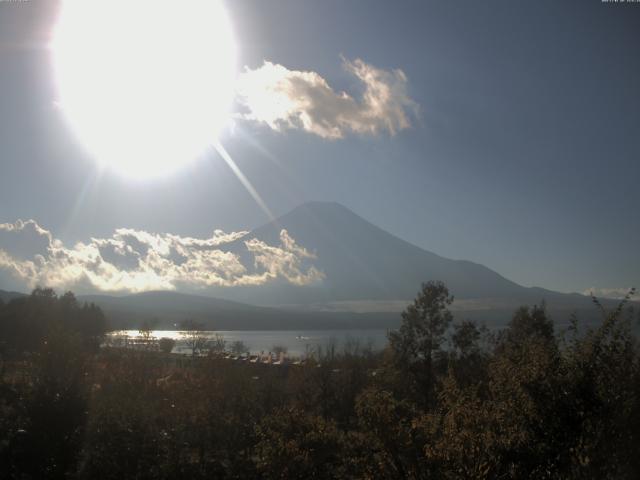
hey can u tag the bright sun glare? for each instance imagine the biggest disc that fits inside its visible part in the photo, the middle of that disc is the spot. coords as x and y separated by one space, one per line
146 84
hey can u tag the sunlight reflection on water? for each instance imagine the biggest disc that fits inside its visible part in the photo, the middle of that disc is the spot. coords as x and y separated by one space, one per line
297 342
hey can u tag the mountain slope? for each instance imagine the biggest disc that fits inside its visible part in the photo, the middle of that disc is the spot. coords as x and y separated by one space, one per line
363 262
367 270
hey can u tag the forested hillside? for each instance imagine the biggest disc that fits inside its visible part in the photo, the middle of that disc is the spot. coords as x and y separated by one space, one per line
443 400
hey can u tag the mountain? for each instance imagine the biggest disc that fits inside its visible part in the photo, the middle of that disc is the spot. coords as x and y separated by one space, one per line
8 296
370 276
363 263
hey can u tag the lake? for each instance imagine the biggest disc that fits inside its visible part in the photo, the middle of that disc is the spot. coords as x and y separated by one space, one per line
297 342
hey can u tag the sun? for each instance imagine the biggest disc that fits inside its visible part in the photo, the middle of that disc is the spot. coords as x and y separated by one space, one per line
147 84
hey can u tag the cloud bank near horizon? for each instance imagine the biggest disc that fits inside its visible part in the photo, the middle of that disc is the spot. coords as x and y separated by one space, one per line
612 293
132 261
286 99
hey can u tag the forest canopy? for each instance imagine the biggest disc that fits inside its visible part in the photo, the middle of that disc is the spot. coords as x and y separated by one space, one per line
446 399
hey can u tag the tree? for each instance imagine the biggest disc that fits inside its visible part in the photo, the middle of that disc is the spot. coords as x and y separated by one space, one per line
417 342
25 321
601 376
294 444
278 349
467 361
56 407
388 426
194 335
216 344
238 347
166 344
465 338
146 330
529 323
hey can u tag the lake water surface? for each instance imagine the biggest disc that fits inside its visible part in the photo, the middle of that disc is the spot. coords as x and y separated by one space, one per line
297 342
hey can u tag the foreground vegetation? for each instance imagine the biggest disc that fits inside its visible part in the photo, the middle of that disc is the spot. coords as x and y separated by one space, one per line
442 401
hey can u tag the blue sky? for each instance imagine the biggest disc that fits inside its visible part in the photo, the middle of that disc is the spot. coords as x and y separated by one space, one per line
523 157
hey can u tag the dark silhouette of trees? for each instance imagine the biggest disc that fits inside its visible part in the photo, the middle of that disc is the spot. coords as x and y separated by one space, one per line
294 444
146 328
194 336
166 344
25 322
417 343
466 338
443 401
238 347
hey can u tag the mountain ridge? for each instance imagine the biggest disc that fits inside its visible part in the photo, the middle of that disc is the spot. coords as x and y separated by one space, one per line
369 275
362 261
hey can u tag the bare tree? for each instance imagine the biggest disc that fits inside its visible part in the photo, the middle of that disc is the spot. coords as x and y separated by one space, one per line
146 332
194 336
278 349
217 343
238 347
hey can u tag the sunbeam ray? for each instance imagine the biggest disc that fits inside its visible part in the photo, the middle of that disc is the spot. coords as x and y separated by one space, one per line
243 179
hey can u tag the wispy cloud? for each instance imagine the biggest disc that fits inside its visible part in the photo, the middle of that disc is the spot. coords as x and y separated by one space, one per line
135 260
292 99
615 293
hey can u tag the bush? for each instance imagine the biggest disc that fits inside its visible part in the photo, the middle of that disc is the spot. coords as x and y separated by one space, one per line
166 344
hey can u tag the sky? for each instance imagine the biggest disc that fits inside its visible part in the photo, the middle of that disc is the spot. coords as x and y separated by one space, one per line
506 133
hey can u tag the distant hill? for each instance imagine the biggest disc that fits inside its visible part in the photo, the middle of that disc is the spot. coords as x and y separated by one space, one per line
7 296
170 308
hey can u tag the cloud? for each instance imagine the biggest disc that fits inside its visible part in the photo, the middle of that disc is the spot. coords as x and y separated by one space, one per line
135 260
292 99
24 239
284 261
615 293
